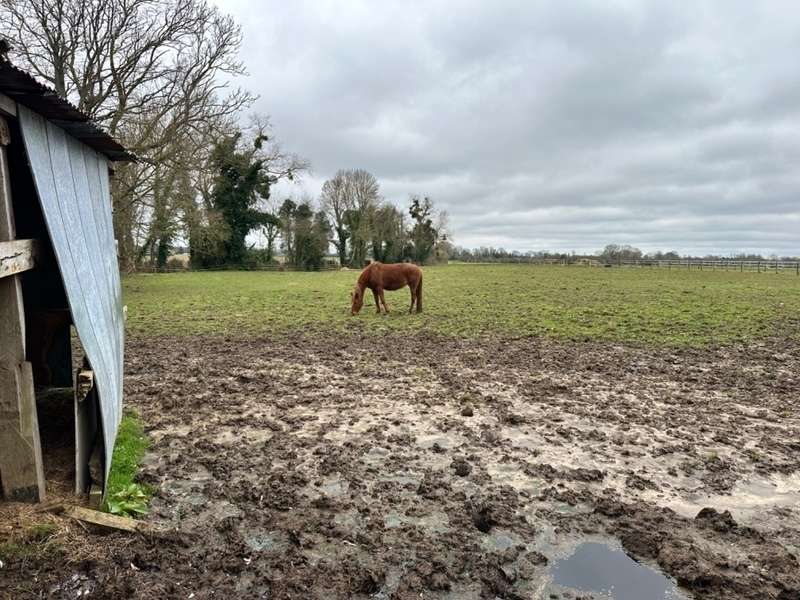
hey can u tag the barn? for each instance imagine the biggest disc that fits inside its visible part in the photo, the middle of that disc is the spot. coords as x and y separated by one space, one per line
59 290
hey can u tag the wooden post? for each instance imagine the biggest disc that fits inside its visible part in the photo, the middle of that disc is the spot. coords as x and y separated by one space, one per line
21 470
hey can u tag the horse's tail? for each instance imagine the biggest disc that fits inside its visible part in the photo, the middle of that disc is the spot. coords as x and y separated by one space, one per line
419 294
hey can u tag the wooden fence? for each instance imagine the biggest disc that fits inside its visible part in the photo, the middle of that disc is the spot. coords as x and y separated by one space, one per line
760 266
188 269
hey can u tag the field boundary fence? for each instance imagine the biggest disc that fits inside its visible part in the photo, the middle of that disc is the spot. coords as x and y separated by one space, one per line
760 266
272 268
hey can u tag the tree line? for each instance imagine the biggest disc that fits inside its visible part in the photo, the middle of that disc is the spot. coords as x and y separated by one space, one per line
351 215
156 74
363 223
611 254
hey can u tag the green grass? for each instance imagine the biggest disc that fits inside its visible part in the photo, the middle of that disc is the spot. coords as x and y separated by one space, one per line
30 542
129 450
671 307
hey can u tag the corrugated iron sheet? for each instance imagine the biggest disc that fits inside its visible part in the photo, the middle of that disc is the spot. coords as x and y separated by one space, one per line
72 183
27 91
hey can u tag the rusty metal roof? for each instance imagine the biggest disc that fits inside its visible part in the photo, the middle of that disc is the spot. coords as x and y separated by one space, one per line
24 89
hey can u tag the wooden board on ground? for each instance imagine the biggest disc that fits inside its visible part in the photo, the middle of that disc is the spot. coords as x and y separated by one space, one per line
108 521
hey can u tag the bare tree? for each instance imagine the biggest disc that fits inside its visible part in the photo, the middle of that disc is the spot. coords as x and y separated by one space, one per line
152 72
363 193
335 203
349 200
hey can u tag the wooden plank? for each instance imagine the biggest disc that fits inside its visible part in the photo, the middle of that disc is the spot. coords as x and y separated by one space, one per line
85 430
7 106
17 256
111 522
18 461
21 469
102 520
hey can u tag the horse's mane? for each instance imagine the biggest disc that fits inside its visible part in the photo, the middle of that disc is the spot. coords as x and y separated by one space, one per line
367 273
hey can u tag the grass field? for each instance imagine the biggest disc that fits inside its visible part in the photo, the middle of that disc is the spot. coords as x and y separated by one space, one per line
628 305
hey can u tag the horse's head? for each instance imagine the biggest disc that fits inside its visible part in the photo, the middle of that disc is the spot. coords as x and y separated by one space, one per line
356 300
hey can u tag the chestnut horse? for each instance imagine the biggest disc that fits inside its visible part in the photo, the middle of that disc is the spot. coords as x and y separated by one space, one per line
379 277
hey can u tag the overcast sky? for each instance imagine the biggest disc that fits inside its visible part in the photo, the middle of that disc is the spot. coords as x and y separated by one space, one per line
548 125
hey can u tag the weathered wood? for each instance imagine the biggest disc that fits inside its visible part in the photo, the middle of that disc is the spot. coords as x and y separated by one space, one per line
103 520
84 384
85 429
21 469
111 522
17 256
5 134
7 106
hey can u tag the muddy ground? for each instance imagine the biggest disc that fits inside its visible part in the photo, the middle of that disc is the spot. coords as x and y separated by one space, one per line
352 466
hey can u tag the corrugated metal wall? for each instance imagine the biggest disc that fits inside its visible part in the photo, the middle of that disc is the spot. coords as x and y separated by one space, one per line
72 183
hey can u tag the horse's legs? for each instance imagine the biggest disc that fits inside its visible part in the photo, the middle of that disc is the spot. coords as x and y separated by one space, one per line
413 298
383 300
377 304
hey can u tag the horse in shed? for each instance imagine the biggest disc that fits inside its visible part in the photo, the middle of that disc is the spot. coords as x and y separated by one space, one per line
379 277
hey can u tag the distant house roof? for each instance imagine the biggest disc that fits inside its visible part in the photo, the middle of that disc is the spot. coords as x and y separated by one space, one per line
24 89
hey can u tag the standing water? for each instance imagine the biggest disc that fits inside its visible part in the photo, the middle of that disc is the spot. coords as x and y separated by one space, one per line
599 568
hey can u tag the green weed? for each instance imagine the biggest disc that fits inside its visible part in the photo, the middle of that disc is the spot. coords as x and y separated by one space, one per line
123 495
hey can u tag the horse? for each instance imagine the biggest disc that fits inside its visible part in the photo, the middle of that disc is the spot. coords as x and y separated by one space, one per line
379 277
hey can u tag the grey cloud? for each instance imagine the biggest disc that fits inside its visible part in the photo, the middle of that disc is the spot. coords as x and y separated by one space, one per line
550 124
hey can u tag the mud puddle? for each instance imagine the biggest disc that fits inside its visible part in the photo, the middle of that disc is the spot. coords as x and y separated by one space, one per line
607 572
749 500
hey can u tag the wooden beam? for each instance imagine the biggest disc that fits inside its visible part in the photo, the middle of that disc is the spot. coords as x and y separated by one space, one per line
21 467
17 256
21 470
111 522
86 429
7 106
101 519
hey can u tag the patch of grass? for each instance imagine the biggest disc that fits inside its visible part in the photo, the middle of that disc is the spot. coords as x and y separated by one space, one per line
123 494
40 532
753 454
665 307
31 542
11 550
